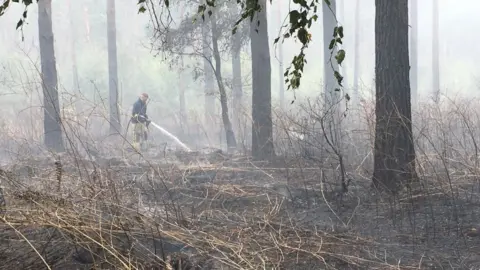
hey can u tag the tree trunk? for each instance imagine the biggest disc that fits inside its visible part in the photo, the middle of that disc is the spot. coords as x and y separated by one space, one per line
52 123
394 153
262 129
356 55
237 90
281 78
207 69
115 125
332 104
341 19
329 23
73 48
231 142
435 53
414 50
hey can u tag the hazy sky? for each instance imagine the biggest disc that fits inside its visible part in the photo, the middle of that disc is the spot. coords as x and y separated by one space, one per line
458 52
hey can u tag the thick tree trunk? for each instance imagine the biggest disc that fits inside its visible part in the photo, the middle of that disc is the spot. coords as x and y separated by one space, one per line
414 50
394 157
73 48
435 53
237 90
115 125
52 123
262 129
281 79
231 142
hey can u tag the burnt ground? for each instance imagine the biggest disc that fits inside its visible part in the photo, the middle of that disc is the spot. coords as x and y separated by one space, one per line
231 213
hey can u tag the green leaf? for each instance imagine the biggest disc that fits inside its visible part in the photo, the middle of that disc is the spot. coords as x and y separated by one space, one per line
142 9
338 77
332 43
19 23
303 35
340 56
294 17
340 31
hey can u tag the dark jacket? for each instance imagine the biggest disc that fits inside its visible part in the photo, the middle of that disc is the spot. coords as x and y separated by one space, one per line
139 110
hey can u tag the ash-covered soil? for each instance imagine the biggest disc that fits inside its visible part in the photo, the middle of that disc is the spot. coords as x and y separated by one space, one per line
224 211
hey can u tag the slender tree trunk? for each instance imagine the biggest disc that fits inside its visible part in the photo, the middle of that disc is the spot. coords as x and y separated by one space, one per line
262 128
231 142
341 19
281 78
115 125
435 53
414 50
52 123
332 102
209 84
356 55
394 153
237 84
330 65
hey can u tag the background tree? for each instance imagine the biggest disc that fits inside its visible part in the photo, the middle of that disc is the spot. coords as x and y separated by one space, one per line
52 123
262 128
394 153
115 125
207 71
414 49
238 40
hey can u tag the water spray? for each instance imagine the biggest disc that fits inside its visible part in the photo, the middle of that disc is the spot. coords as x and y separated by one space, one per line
171 136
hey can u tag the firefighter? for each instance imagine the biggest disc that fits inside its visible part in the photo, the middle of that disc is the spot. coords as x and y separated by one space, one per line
140 122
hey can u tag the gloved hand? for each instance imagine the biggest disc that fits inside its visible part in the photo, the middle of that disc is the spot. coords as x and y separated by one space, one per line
134 118
148 122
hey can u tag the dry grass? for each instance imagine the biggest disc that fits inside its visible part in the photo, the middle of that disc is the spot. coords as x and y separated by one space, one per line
202 211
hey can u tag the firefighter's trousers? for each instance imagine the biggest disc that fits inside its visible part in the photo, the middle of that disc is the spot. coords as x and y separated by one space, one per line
140 136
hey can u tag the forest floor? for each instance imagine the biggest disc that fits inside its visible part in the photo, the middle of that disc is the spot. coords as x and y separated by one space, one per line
213 212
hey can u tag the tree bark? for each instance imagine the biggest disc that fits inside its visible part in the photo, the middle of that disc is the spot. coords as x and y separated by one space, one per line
73 48
230 136
115 125
262 129
53 138
414 50
281 78
329 23
394 153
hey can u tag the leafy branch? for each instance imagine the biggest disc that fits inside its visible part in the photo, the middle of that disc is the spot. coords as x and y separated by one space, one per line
300 21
